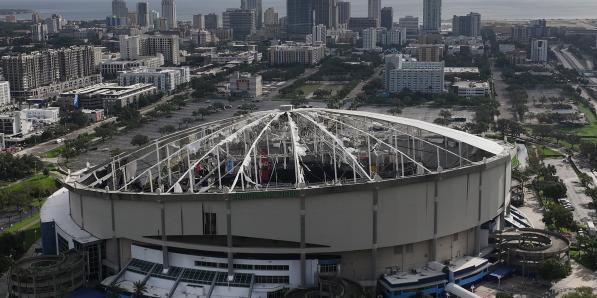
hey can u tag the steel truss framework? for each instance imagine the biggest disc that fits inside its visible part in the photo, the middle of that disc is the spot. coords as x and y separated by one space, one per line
294 149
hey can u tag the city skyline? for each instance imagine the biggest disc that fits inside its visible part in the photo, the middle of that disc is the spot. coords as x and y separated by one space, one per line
491 10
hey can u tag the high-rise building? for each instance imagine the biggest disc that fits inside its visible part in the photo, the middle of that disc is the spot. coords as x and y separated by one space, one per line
169 13
370 38
292 53
411 24
154 19
520 34
374 9
47 73
271 17
167 45
426 52
387 17
300 17
132 19
5 93
130 47
539 51
119 9
198 22
402 72
468 25
343 12
360 24
394 37
326 13
143 14
256 5
39 32
211 21
319 34
36 17
432 16
241 21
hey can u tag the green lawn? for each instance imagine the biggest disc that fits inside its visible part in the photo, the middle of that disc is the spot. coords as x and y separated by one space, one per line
548 152
54 152
24 223
591 128
309 88
41 181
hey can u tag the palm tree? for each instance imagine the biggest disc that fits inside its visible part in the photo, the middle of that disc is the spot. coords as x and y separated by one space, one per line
140 288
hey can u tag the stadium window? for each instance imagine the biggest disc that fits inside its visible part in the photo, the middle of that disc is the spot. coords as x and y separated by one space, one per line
209 224
328 268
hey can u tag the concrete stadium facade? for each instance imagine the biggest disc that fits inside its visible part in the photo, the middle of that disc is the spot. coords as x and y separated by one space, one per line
355 230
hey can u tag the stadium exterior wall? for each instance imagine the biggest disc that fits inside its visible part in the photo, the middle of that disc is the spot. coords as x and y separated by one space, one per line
370 226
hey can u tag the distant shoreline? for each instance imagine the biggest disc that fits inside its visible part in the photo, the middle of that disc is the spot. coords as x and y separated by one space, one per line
14 11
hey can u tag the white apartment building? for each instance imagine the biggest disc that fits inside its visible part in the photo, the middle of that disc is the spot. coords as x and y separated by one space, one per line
471 89
47 116
395 36
165 79
5 93
370 39
296 53
539 51
246 85
112 67
403 72
130 47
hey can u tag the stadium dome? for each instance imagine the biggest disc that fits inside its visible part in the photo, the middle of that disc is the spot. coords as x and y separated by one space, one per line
256 204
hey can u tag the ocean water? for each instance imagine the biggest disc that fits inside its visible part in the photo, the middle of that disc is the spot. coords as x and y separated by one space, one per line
490 9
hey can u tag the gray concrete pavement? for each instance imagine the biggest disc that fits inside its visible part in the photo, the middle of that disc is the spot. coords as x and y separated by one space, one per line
576 192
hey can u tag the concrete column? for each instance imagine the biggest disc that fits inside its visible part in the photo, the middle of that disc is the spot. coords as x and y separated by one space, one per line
303 241
374 209
229 237
165 259
478 227
82 213
434 244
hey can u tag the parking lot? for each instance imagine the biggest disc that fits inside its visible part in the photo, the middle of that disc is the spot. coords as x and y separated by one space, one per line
576 192
151 129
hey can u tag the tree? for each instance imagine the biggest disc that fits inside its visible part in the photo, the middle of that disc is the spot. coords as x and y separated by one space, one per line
552 270
508 127
585 180
139 140
139 289
559 217
203 112
167 129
